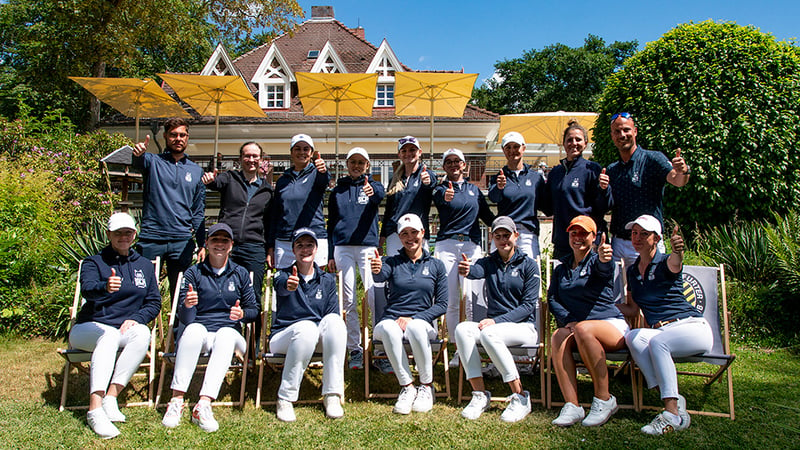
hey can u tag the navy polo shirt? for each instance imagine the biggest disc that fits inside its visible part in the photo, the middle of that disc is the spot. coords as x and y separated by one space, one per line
415 198
312 300
460 215
638 188
520 198
416 289
583 293
298 203
512 288
352 214
659 293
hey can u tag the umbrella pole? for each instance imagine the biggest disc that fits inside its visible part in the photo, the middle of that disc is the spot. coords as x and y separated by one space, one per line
432 100
336 159
216 138
137 129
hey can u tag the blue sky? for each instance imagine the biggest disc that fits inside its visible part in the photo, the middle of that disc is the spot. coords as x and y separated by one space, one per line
451 34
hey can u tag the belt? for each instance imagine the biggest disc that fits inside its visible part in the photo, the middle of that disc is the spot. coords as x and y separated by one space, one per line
661 323
460 237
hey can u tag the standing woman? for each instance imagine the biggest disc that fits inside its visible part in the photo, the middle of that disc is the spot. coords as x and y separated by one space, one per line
518 190
581 298
574 188
460 204
121 293
655 285
417 295
299 194
410 191
216 298
512 290
353 231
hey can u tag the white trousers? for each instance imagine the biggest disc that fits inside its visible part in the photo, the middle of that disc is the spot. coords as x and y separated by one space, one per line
653 349
393 244
495 340
299 341
419 334
104 341
195 340
350 258
449 252
284 256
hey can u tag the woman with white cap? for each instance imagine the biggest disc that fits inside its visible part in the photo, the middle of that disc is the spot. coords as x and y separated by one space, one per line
512 290
581 298
676 328
121 292
410 191
307 317
417 296
297 203
353 236
461 205
215 300
518 190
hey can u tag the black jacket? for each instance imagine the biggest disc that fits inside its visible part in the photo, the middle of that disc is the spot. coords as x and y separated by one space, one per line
247 218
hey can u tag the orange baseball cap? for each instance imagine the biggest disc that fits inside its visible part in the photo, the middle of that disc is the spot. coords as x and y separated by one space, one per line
585 222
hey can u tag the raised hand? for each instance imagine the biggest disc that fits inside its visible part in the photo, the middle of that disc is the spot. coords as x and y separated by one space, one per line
294 281
375 263
208 177
319 163
367 187
449 193
236 312
679 164
140 148
676 241
604 250
191 297
603 179
114 282
463 266
425 176
501 180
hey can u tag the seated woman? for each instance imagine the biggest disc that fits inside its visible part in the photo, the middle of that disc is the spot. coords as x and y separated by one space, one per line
307 316
512 290
121 293
417 295
655 284
582 302
216 298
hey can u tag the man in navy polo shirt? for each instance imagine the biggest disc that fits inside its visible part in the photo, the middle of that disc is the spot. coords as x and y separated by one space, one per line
638 180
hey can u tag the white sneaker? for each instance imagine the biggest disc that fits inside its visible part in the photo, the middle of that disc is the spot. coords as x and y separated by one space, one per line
204 417
661 424
570 415
111 409
519 406
333 406
480 402
285 411
172 418
100 424
601 411
682 413
405 400
424 400
454 360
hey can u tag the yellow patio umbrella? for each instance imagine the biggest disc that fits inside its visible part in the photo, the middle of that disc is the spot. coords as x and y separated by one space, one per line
133 97
544 127
432 94
337 94
215 95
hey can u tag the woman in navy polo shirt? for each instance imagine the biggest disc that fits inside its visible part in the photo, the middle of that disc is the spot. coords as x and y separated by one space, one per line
581 300
676 328
417 295
216 298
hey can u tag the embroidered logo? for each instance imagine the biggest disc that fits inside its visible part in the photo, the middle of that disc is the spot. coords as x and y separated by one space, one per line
416 183
515 272
319 294
188 177
576 182
304 181
635 177
527 182
138 279
425 271
362 198
231 286
471 193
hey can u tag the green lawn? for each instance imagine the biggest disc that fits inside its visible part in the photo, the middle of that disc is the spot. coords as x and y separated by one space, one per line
766 386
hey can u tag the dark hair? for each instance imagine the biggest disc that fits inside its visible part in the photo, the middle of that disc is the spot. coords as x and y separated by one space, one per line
173 123
241 149
574 125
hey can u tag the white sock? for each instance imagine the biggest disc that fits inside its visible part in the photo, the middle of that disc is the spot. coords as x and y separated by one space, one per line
204 402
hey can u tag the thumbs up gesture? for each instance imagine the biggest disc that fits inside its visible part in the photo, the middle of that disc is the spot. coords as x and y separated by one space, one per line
208 177
236 312
425 176
375 263
449 193
191 297
603 179
501 180
676 240
679 164
463 266
367 187
604 251
114 282
319 163
140 148
294 281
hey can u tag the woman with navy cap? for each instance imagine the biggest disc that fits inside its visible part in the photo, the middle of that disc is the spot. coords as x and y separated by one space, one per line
512 290
581 300
409 191
461 205
299 195
417 296
518 190
675 327
121 292
353 237
307 317
216 299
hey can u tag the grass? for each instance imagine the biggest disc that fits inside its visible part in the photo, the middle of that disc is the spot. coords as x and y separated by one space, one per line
766 384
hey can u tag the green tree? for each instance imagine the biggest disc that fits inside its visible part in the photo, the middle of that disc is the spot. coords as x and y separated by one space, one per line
555 78
727 95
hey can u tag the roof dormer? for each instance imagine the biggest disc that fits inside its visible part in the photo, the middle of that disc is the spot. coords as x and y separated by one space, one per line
219 63
274 80
328 61
385 63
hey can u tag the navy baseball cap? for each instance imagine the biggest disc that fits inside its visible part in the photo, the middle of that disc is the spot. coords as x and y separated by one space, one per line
220 228
300 232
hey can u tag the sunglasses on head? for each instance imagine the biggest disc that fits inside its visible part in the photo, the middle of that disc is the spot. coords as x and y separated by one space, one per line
624 115
404 141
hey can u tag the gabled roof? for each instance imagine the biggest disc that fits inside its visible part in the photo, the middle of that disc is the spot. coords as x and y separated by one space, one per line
219 63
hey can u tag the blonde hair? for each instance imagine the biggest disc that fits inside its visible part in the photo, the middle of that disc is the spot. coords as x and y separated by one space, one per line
396 184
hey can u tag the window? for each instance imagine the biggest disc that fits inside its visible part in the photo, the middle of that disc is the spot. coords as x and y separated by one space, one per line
275 95
384 95
313 54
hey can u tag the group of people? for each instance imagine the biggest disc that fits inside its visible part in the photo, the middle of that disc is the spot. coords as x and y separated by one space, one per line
285 228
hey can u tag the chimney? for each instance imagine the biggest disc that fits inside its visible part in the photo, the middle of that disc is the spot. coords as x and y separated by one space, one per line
359 31
322 12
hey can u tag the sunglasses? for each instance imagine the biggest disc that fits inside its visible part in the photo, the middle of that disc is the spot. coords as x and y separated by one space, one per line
404 141
624 115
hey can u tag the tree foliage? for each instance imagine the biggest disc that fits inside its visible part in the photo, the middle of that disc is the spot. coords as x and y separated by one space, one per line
727 95
555 78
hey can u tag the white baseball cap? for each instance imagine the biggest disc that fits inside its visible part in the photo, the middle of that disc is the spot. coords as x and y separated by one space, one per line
647 222
453 151
301 138
409 221
513 136
407 140
121 220
357 151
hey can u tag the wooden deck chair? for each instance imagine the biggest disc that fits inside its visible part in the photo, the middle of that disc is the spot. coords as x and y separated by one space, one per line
240 362
373 346
81 360
705 288
619 361
532 354
275 361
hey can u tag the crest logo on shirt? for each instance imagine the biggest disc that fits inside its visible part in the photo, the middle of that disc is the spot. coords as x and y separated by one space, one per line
635 177
362 198
694 293
471 193
425 271
527 182
188 177
515 272
652 275
138 279
416 183
304 181
231 286
576 182
319 294
583 272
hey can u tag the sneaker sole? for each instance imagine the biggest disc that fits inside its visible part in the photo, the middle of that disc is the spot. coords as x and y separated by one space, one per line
207 430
